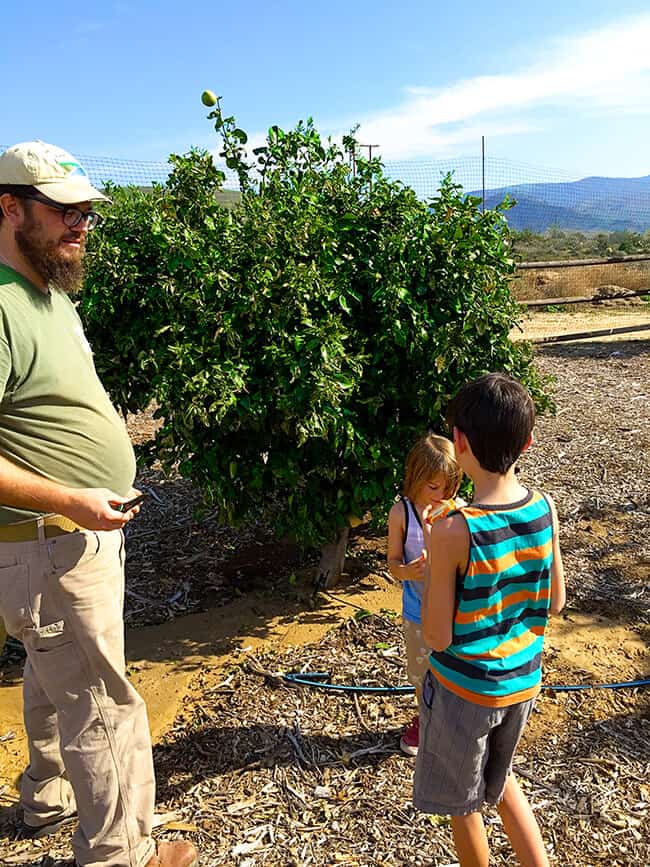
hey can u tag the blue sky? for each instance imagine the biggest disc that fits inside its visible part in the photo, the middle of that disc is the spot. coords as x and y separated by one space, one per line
563 85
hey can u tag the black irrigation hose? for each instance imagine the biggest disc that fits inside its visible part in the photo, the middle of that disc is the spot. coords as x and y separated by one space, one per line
317 679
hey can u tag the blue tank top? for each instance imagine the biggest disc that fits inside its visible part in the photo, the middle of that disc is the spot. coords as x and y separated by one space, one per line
413 545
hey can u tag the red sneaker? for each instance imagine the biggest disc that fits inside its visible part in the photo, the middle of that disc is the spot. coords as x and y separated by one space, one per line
410 739
178 853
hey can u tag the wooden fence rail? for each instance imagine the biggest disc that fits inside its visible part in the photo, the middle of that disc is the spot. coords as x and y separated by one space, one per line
577 263
585 299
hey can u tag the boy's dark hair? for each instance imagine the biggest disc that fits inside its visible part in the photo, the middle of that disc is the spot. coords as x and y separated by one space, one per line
497 415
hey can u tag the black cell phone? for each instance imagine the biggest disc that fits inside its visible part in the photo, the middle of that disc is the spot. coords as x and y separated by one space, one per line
124 507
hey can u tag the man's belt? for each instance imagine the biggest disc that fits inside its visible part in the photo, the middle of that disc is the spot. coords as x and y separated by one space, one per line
27 531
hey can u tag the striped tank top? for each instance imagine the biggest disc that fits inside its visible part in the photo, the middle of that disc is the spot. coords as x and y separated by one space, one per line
502 604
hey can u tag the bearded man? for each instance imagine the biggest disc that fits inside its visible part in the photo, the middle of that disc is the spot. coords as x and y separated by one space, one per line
66 468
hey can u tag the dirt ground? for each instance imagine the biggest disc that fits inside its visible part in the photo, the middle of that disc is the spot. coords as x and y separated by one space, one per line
259 773
574 318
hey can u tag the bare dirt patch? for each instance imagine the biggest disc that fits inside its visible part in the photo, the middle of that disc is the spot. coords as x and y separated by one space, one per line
259 773
577 318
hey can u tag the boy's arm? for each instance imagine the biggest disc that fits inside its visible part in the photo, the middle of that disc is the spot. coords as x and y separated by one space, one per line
447 553
558 587
413 571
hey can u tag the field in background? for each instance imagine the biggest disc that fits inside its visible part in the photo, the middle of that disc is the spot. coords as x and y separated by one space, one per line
580 280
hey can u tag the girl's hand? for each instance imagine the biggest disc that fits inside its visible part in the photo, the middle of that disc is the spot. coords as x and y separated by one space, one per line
430 513
415 570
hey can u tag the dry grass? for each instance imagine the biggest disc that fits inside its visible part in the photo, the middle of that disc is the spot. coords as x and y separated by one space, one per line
586 280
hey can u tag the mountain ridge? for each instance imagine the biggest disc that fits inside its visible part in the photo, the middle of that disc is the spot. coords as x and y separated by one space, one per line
591 204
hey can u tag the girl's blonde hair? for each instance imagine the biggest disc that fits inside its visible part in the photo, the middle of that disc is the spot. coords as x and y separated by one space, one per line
429 456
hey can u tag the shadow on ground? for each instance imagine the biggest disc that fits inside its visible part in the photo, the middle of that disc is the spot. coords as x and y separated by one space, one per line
596 348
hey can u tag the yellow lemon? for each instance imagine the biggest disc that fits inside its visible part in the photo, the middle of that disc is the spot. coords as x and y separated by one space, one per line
208 98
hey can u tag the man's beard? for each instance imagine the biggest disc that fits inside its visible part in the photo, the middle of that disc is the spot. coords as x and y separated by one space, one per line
45 257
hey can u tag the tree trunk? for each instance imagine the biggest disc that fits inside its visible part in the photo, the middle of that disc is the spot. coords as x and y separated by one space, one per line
332 558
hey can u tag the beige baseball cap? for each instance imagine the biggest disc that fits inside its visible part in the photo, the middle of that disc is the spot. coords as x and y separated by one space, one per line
54 172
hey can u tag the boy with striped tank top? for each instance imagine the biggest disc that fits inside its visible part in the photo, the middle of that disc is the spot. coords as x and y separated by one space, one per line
495 574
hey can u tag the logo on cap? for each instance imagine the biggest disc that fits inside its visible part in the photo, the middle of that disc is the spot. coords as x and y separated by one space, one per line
71 168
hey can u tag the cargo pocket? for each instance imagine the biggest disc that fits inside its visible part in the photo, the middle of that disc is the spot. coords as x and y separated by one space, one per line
48 638
426 700
56 662
15 608
73 549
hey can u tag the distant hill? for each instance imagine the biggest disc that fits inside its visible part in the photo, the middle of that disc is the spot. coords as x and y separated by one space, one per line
589 205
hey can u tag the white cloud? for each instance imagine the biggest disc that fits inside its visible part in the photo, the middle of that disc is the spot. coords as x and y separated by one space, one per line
597 73
603 71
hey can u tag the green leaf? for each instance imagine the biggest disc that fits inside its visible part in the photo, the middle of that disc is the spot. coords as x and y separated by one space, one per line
344 304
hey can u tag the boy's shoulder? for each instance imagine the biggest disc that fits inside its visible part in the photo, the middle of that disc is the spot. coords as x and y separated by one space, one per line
447 523
532 506
449 535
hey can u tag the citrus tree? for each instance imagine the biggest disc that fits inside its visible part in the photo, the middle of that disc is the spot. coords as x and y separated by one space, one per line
298 344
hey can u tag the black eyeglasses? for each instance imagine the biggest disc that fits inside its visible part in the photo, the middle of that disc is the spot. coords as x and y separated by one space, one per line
70 215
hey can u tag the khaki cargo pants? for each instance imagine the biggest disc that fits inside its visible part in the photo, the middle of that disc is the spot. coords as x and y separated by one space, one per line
89 741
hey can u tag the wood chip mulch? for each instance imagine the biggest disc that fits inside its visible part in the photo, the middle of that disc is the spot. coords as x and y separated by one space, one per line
263 774
592 457
259 772
280 775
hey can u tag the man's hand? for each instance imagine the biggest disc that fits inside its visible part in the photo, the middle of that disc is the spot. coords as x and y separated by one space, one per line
88 507
91 508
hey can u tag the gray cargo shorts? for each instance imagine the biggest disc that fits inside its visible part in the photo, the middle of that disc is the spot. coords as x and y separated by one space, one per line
466 750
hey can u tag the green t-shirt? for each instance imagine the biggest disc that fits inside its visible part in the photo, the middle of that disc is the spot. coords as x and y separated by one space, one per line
55 416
